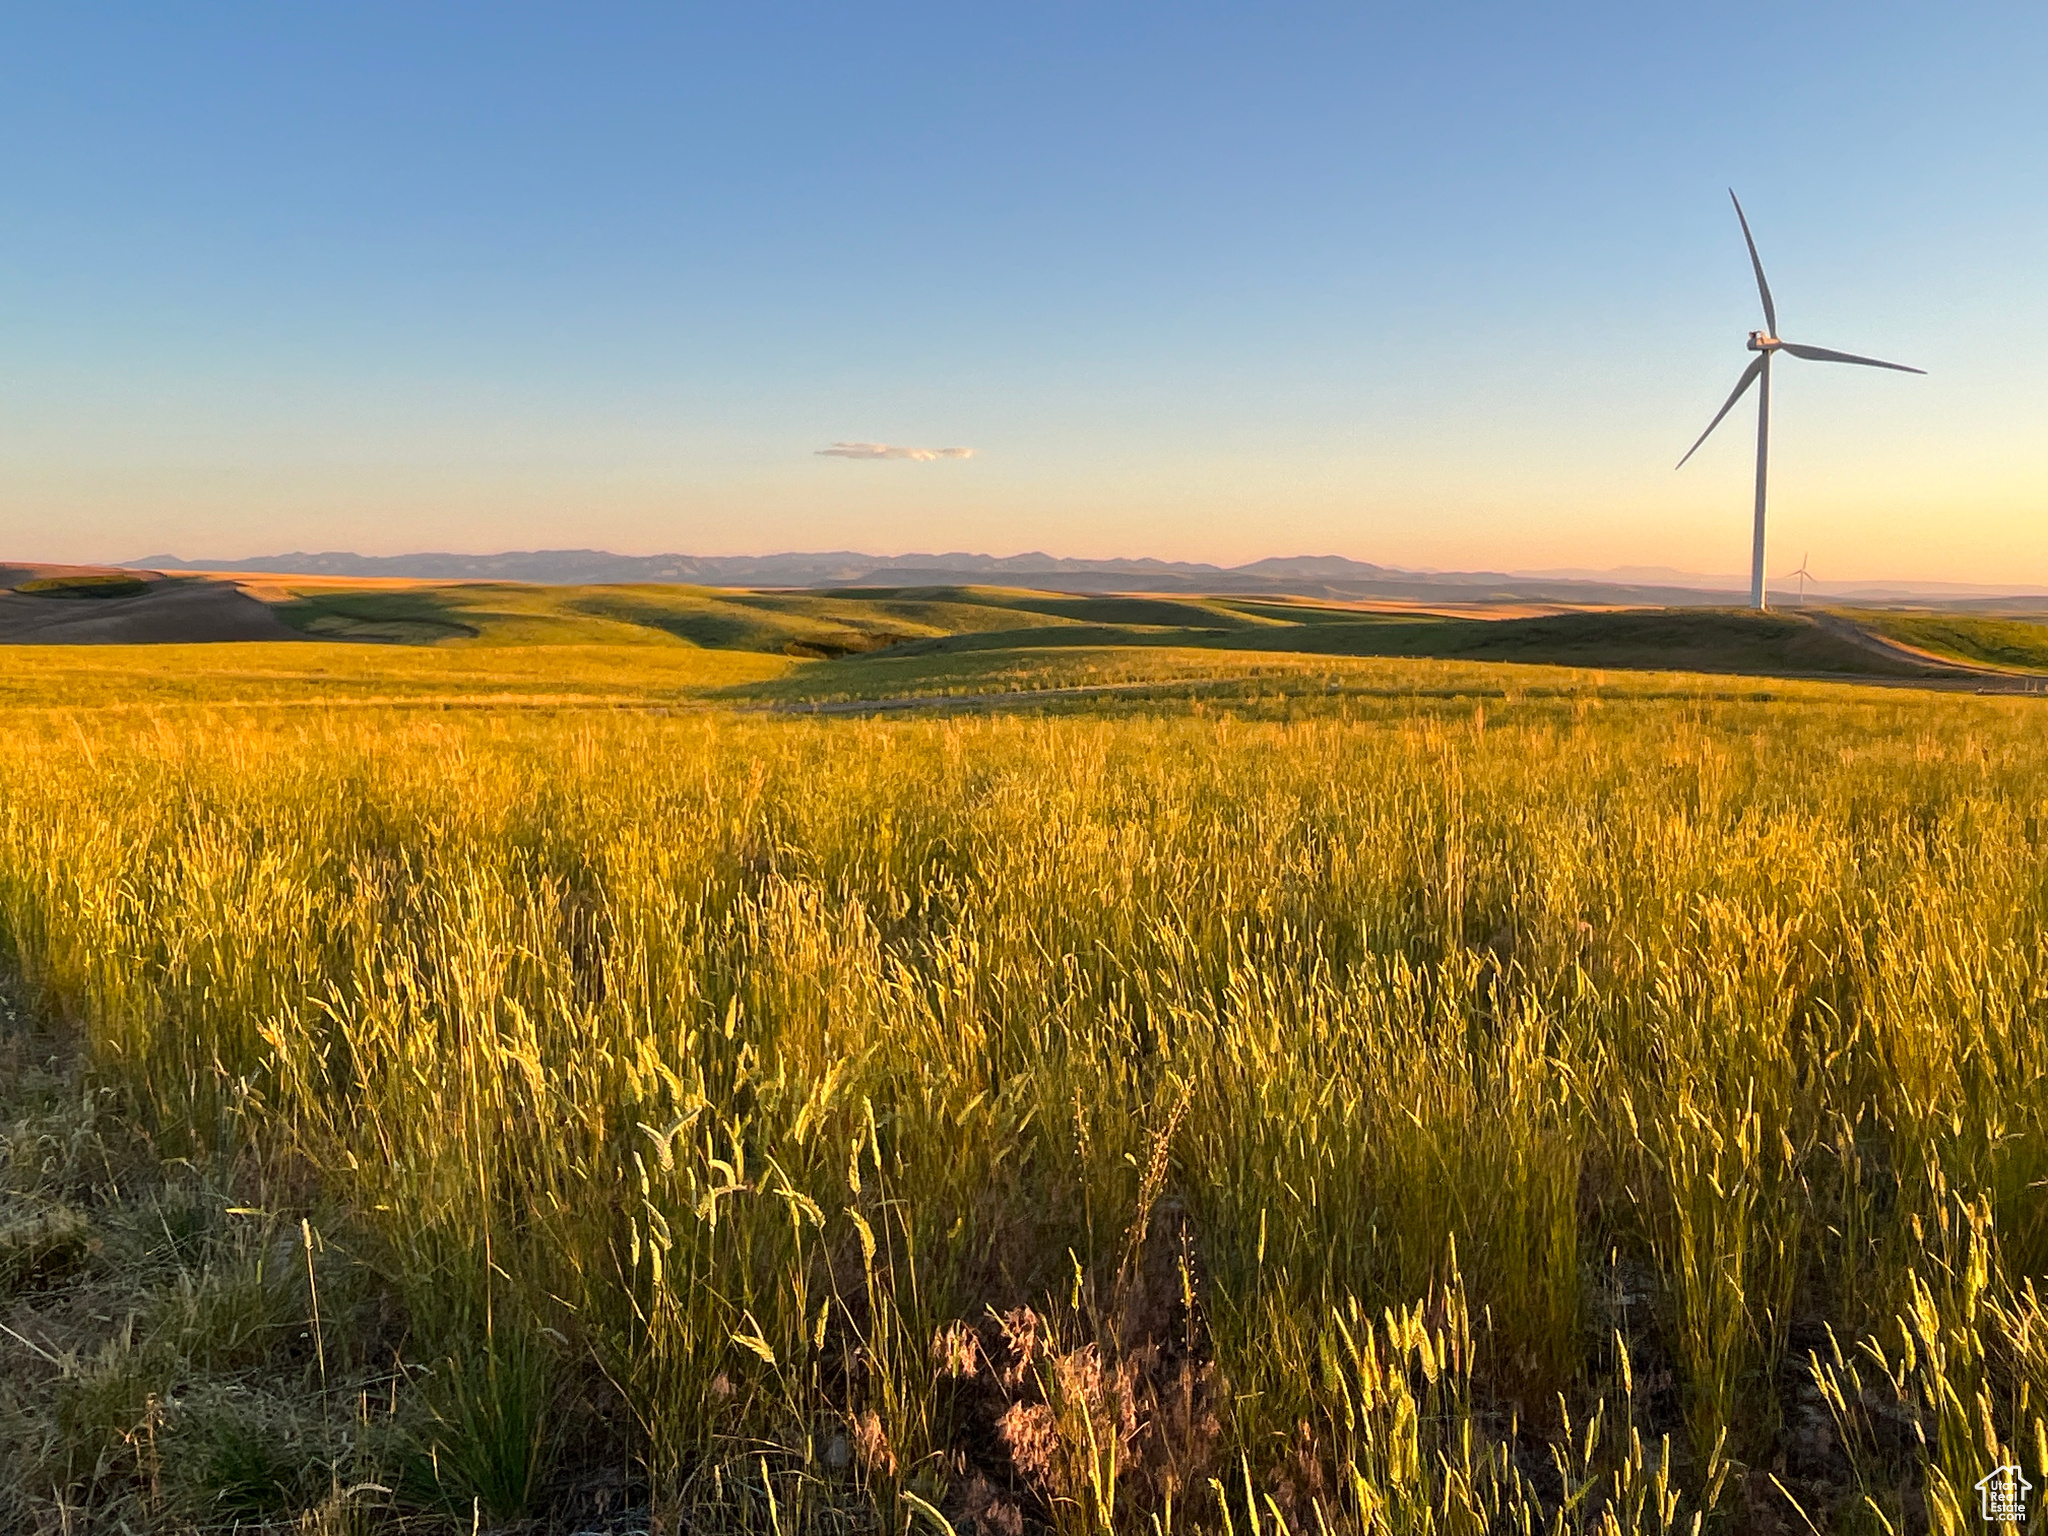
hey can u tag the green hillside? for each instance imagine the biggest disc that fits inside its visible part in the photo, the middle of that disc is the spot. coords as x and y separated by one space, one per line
505 613
2021 644
935 621
1698 640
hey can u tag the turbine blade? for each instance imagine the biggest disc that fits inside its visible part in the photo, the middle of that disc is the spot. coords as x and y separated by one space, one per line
1762 287
1748 378
1823 355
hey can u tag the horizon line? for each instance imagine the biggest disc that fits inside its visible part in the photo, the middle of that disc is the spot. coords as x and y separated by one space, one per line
1621 575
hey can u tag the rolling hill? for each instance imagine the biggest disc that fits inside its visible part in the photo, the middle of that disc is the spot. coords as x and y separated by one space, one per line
923 631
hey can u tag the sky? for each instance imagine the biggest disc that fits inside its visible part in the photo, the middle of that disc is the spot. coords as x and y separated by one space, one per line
1446 286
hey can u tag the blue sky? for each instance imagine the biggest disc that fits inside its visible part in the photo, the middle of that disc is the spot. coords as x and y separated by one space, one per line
1441 286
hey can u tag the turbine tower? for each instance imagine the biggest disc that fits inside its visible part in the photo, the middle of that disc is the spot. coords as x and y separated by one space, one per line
1764 343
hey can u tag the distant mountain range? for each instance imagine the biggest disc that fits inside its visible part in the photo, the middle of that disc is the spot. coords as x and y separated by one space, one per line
1873 590
834 568
1305 575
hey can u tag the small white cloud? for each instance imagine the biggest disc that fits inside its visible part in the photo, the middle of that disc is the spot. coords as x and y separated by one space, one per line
891 451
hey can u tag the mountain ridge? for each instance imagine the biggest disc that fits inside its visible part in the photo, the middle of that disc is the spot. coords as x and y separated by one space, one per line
1324 576
1327 576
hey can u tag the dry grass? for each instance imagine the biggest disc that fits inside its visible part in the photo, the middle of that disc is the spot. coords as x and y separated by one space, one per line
1487 1109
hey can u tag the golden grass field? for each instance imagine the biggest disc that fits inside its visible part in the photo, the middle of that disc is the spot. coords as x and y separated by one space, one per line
562 1087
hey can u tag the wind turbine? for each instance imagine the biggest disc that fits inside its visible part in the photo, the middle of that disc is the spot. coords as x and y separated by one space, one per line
1764 343
1804 576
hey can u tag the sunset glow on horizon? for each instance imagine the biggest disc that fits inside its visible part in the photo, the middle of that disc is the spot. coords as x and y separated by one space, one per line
1448 290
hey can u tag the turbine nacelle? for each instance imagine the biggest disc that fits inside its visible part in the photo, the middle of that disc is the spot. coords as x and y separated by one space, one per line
1763 341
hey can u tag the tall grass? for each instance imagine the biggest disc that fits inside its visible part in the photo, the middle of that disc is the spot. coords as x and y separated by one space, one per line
1547 1117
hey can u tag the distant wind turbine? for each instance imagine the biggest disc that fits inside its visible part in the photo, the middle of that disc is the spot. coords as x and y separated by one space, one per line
1764 343
1804 576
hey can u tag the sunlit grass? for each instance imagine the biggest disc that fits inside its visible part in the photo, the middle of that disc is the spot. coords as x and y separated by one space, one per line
1331 1093
122 677
2020 644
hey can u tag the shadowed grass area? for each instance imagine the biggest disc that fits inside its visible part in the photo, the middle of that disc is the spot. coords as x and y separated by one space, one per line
88 586
1695 639
1690 639
925 620
480 613
1098 679
810 625
1335 649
